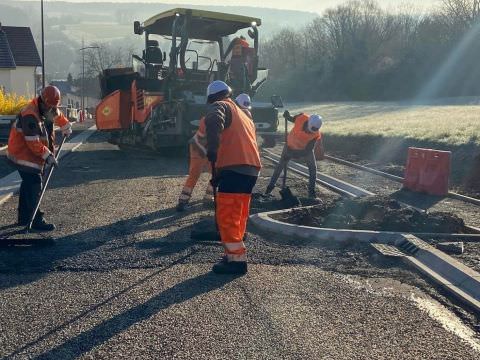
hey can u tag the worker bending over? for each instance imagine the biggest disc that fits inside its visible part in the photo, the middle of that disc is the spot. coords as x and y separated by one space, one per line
31 146
244 101
232 148
302 140
198 164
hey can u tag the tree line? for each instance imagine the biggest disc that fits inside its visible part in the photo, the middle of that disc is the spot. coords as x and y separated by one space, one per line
360 51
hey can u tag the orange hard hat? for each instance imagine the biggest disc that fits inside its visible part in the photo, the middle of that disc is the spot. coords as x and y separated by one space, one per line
51 96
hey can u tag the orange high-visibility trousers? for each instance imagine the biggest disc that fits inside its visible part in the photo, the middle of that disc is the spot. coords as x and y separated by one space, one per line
198 165
232 215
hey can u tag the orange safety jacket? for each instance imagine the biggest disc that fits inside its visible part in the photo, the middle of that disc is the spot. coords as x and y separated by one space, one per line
238 143
28 143
199 140
298 138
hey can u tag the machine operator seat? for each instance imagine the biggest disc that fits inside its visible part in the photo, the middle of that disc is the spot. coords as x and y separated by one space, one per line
153 53
153 57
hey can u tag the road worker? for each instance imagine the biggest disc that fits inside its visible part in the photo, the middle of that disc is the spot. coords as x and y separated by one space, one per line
198 164
31 147
232 149
244 101
303 142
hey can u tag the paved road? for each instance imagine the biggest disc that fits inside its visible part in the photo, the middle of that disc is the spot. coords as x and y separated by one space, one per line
124 280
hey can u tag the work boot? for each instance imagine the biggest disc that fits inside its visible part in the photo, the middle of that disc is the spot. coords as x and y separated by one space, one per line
181 206
230 267
269 189
40 224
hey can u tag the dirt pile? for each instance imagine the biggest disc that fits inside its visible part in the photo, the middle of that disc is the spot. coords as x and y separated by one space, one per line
374 213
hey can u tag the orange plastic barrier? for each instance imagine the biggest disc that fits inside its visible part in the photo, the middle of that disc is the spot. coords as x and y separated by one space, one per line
428 171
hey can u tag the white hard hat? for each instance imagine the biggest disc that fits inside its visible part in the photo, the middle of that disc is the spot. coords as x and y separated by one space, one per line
314 121
216 87
244 101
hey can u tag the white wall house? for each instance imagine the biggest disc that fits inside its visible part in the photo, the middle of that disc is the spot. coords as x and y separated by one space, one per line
19 60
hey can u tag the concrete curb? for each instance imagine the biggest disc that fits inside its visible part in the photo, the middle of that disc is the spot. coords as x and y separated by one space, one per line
460 280
265 222
10 184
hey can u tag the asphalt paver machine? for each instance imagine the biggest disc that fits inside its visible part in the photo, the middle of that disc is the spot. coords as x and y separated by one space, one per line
159 100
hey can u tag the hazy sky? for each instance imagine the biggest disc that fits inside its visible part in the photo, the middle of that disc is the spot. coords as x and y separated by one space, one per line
305 5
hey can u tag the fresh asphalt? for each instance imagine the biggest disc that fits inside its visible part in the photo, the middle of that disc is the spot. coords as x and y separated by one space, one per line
124 280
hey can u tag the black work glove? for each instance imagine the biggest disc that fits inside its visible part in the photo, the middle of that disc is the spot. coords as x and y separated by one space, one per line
212 156
51 161
286 114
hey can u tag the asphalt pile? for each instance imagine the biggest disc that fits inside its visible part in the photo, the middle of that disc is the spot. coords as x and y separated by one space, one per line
374 213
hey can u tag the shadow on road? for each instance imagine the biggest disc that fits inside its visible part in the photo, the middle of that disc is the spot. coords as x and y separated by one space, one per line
71 252
86 341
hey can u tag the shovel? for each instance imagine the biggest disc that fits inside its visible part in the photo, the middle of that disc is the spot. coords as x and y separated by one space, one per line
286 194
30 241
209 235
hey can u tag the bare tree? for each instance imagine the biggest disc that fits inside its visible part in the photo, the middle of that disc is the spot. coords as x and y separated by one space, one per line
460 15
106 56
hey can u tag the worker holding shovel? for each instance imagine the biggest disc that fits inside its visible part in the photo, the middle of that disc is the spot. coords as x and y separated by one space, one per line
303 142
31 148
232 151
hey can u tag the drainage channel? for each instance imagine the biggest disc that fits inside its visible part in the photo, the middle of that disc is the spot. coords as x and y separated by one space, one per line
459 280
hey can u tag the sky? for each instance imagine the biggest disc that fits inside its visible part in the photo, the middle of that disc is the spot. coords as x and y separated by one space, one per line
304 5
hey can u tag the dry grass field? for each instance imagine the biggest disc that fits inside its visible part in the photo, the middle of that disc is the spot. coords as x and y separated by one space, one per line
381 132
445 124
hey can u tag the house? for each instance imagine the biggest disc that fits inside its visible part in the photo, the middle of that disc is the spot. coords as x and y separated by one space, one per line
72 99
71 95
19 60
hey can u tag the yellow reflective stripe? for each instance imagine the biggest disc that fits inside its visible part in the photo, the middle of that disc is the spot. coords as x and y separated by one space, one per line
23 162
32 138
46 154
234 246
66 126
184 196
235 257
201 147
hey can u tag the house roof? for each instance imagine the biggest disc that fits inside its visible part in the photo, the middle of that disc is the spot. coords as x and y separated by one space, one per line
17 47
6 56
62 85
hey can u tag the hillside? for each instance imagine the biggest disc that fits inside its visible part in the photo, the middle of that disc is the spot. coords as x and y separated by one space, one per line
67 23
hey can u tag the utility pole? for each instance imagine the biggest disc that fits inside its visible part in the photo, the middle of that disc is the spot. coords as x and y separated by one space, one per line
43 46
82 104
82 101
